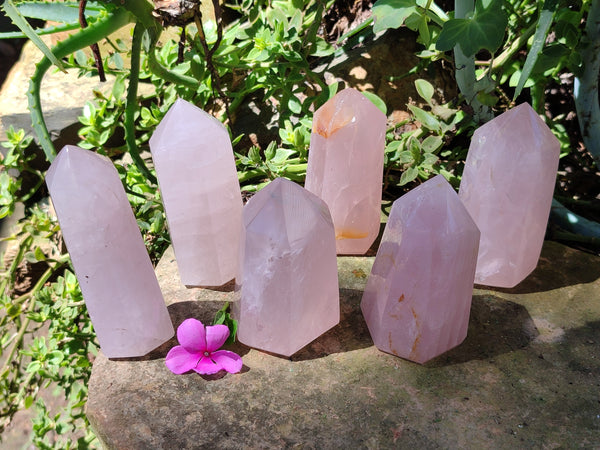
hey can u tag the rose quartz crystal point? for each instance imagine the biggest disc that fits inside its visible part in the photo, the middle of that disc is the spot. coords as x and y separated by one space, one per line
289 285
108 253
196 171
345 167
418 296
507 187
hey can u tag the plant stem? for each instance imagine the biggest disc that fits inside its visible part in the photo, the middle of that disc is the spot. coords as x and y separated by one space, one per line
45 276
18 258
573 223
103 27
172 77
130 109
503 57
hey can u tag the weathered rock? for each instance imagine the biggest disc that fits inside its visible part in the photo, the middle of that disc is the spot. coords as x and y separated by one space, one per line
62 96
527 375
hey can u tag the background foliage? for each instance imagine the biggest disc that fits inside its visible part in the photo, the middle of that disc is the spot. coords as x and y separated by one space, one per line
502 52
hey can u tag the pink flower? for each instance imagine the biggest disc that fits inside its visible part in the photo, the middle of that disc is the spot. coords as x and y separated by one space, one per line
199 350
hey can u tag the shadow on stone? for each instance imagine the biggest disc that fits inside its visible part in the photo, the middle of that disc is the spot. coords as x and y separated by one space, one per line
558 266
496 326
350 334
227 287
578 350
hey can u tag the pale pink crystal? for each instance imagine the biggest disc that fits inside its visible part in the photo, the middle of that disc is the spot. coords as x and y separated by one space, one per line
196 171
345 167
289 293
507 187
418 295
108 253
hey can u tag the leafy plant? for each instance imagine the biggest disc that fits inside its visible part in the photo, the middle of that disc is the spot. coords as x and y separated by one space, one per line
14 164
267 55
416 152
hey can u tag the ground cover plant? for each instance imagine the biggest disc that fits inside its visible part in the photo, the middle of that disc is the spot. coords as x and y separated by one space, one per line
501 52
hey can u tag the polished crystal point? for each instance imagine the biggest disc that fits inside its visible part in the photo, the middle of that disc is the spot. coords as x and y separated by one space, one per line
345 167
507 187
289 284
196 171
108 253
418 295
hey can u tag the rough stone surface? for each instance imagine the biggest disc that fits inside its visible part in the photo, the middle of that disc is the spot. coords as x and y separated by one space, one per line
418 296
526 376
62 96
507 187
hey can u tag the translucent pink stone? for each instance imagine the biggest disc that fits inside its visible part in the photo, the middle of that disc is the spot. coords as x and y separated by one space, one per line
507 187
108 253
418 295
345 167
196 171
289 293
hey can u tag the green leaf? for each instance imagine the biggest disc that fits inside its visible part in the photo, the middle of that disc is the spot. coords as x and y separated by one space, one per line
408 175
11 11
429 160
294 105
282 155
254 155
81 58
117 60
424 89
405 157
55 357
431 144
322 48
30 257
118 88
377 101
33 366
41 31
270 150
28 401
39 254
541 31
426 119
67 12
485 30
392 146
332 89
392 13
423 28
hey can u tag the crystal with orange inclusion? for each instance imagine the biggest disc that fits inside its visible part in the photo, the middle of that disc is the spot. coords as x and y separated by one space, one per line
350 234
345 167
332 117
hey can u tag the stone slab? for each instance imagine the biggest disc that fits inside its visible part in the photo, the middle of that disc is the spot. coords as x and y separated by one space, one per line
62 95
527 376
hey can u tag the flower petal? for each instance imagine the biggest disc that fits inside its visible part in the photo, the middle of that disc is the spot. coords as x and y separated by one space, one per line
229 361
192 336
216 335
207 367
179 360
